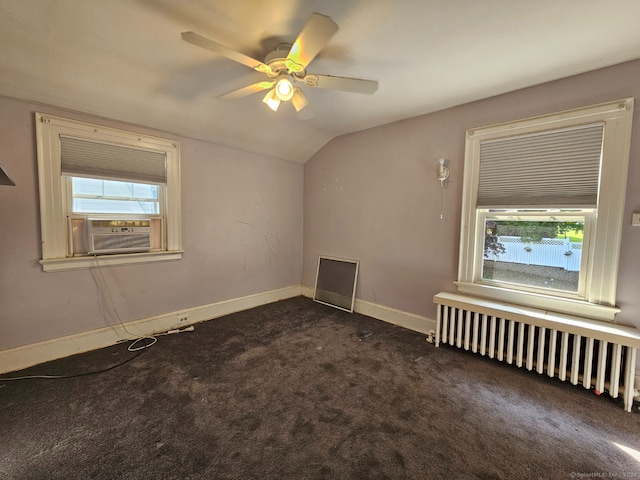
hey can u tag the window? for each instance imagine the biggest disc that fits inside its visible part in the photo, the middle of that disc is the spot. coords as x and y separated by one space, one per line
542 210
89 172
92 195
535 251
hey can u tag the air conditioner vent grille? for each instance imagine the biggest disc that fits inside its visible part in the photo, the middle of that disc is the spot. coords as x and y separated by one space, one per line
123 242
119 235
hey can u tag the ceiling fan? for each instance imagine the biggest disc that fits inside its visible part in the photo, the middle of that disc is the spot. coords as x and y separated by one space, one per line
287 65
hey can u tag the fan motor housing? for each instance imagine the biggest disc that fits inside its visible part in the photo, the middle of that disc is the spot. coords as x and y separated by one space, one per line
277 60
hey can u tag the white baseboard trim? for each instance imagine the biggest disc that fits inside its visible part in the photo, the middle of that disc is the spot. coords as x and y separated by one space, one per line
403 319
28 355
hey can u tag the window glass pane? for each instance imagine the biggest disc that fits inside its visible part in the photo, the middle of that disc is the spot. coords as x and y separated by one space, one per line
141 190
534 253
87 186
107 196
118 189
91 205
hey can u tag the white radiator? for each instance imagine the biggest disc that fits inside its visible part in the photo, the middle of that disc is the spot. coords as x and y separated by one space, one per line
593 354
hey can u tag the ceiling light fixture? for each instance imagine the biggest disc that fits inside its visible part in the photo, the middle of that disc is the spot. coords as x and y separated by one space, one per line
284 89
286 66
299 100
271 100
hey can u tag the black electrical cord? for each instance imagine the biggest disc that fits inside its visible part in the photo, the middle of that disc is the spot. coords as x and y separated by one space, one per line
82 374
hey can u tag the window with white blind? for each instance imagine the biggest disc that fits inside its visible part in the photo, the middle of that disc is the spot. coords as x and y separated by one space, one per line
543 200
89 172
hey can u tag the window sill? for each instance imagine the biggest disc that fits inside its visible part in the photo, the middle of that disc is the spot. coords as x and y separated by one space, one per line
546 303
78 263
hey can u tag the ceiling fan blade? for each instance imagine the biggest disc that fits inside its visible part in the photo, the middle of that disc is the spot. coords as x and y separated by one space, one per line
248 90
346 84
203 42
312 38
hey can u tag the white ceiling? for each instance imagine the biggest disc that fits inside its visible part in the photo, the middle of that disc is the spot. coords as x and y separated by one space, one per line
125 59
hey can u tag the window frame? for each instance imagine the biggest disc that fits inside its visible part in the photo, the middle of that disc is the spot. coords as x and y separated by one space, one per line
55 193
603 249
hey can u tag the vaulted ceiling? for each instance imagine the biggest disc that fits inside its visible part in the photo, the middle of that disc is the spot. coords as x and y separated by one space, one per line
126 60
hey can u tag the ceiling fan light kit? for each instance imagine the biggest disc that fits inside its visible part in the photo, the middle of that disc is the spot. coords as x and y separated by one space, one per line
284 88
271 100
287 64
299 100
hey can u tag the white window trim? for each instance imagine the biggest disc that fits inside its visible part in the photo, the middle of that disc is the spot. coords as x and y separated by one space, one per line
604 249
53 197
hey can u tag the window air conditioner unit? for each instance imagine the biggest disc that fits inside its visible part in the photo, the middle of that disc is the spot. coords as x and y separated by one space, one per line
116 235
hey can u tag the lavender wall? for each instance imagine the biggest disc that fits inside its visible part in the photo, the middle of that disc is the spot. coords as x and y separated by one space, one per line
242 234
374 196
371 195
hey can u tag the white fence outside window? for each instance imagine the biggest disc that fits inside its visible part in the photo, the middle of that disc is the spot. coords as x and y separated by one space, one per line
550 252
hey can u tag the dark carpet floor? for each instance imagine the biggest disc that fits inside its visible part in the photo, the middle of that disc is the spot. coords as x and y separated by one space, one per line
298 390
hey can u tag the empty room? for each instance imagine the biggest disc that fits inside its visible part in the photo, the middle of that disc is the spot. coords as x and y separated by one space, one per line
319 239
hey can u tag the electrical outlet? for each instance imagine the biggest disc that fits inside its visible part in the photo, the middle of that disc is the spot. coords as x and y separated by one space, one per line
183 318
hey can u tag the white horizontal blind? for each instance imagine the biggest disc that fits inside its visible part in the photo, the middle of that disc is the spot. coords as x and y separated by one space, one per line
558 168
86 158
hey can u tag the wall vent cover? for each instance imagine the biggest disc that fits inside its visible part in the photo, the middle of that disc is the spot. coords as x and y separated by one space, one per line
336 282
